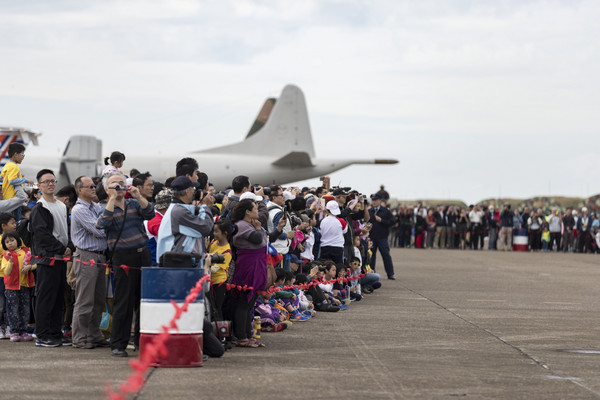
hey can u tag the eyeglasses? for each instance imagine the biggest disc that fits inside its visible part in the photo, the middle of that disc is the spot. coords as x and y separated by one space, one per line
89 187
278 195
49 182
21 154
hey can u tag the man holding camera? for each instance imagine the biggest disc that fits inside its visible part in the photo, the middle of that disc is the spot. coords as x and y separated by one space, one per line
186 222
123 222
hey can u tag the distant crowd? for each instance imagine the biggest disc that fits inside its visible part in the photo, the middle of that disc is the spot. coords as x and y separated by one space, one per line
478 227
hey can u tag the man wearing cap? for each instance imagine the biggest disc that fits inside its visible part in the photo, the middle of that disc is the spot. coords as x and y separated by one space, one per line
382 219
584 224
185 223
332 233
90 244
126 238
163 200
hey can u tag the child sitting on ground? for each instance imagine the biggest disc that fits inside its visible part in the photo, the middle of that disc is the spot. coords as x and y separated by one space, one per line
288 299
303 304
18 278
340 290
270 316
329 272
354 272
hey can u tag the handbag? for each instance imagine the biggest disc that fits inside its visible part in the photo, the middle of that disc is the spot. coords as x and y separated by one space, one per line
106 321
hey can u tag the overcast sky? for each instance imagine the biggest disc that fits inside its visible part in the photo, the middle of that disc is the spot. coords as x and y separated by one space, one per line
476 99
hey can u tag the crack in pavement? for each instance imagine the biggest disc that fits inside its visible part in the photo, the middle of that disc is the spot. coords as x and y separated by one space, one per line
514 347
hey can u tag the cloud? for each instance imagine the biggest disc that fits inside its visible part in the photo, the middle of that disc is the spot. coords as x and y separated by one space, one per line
429 79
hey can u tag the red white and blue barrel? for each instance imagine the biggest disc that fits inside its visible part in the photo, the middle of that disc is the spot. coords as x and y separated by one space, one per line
160 286
520 240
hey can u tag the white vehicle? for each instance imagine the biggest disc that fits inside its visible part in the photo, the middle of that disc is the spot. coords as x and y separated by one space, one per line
277 149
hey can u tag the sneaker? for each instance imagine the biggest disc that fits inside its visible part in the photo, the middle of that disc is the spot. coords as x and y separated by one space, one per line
48 343
14 337
83 345
287 323
298 317
274 328
376 285
4 333
26 337
66 342
343 307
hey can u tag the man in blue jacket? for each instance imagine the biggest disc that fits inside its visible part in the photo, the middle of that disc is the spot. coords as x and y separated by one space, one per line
382 220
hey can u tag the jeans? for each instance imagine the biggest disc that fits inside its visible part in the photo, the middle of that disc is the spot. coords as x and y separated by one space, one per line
369 280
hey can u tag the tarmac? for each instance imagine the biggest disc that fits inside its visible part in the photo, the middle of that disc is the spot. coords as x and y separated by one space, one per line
466 324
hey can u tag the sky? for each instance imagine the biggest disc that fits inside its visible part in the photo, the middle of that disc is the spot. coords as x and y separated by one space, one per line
475 99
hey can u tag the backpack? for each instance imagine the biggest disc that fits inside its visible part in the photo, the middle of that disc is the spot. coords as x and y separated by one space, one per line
24 232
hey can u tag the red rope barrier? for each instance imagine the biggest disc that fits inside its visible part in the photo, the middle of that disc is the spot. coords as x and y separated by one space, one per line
152 350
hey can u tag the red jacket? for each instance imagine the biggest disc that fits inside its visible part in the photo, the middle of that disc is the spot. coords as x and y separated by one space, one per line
13 281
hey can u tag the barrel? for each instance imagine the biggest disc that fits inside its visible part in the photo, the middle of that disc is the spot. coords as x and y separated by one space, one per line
159 286
520 240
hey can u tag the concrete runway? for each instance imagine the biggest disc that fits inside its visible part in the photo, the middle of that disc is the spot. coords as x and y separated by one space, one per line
467 324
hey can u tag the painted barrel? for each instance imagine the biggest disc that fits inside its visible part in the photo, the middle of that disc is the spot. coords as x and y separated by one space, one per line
160 286
520 240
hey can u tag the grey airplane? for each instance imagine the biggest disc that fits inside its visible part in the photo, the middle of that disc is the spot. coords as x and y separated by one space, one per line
277 149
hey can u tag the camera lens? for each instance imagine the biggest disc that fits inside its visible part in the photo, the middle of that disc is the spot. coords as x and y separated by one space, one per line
217 259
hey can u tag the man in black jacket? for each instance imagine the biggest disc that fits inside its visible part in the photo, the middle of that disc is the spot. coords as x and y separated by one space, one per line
49 225
382 219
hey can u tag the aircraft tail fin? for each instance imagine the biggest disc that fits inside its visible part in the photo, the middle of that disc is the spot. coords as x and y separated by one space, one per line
80 158
9 135
281 128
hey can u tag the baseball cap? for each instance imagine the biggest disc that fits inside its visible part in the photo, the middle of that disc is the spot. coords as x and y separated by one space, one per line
333 207
251 196
376 196
182 183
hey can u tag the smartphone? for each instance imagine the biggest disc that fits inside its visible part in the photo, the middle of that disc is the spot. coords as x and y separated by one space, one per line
321 178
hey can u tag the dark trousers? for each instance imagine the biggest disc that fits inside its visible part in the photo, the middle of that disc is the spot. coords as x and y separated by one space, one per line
584 242
50 289
335 254
243 316
555 238
217 293
384 249
127 296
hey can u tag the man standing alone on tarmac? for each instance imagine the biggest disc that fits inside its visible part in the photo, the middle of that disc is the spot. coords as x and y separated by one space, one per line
382 219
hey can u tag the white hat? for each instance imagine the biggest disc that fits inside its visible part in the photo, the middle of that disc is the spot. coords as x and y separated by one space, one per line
584 209
333 207
251 196
287 195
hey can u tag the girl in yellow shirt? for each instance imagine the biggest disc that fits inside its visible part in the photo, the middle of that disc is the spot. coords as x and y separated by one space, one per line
218 276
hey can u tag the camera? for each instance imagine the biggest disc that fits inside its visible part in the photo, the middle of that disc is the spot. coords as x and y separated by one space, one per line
217 259
119 187
322 268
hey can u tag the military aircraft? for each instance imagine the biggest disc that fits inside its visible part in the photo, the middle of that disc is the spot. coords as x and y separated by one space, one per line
277 149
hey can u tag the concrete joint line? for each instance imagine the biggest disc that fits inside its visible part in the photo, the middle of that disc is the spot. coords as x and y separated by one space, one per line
517 349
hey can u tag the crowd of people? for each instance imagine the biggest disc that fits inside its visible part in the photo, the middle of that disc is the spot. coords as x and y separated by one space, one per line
276 255
478 227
